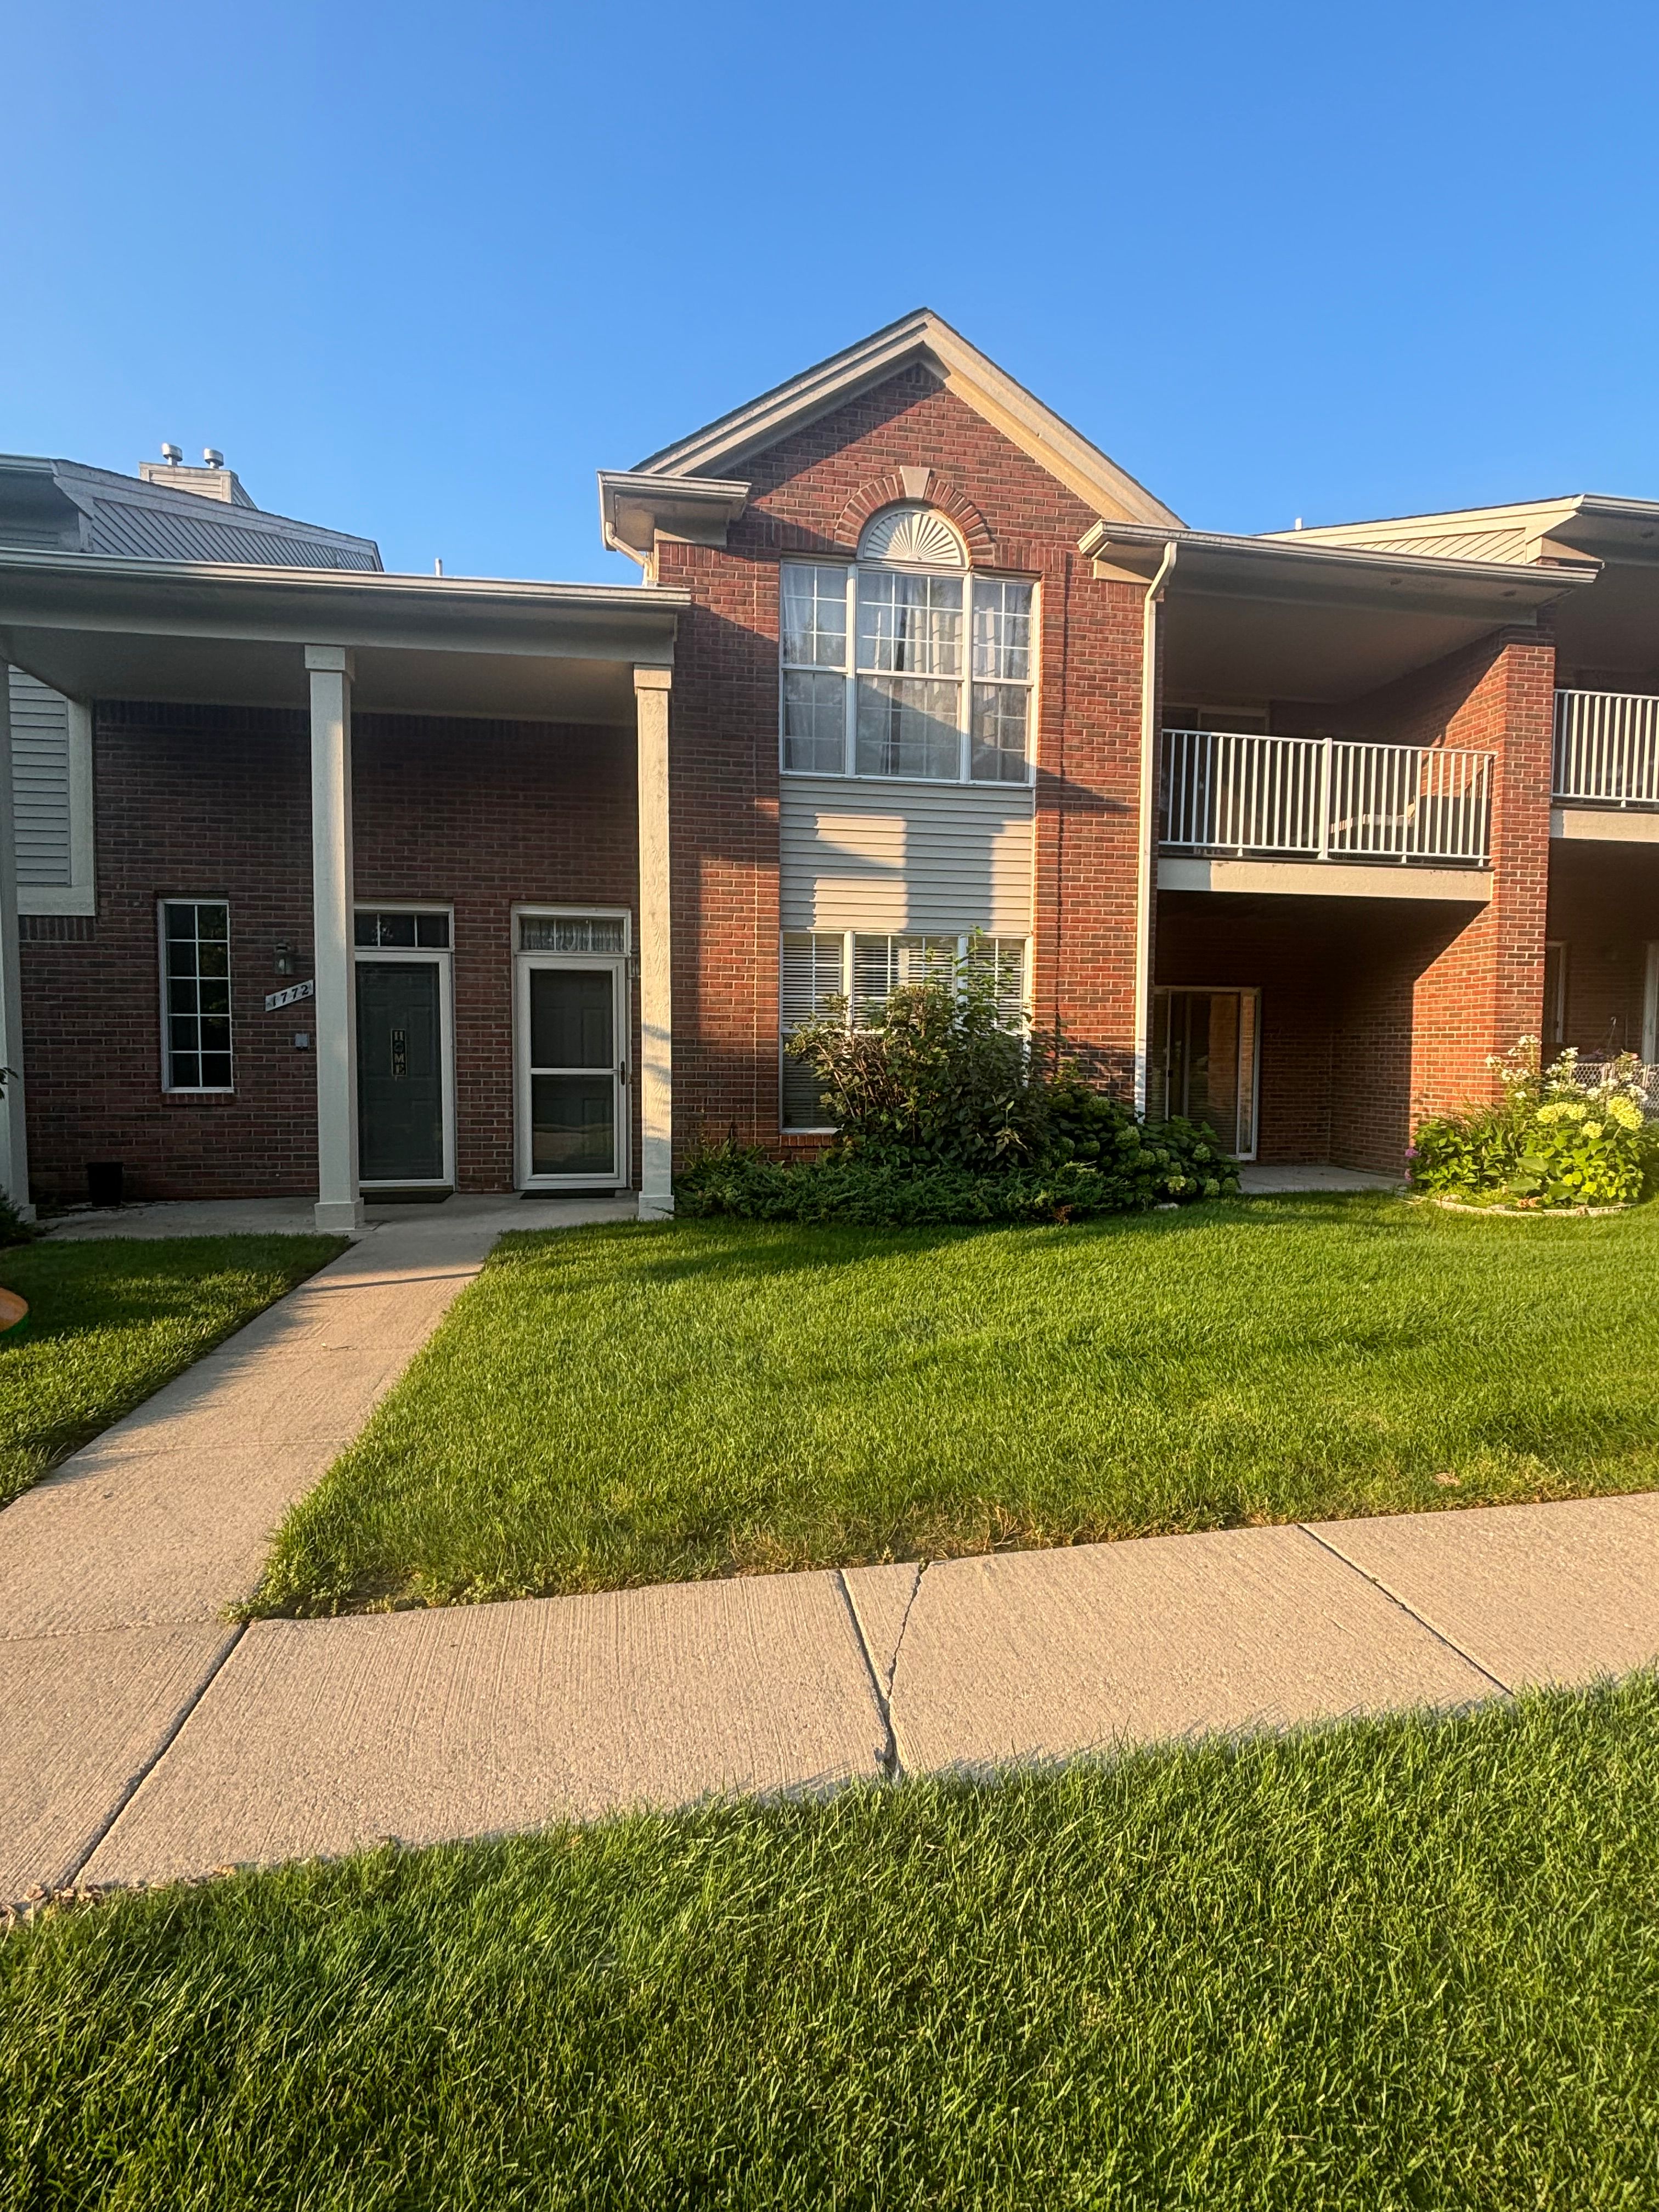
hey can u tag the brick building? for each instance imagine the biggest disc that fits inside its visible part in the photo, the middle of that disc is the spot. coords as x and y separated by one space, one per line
412 883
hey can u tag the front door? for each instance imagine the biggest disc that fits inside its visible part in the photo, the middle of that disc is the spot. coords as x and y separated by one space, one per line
400 1089
1203 1062
572 1130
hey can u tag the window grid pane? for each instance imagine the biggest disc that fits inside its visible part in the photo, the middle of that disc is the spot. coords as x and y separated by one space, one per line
909 625
1002 630
907 726
196 983
814 722
814 618
997 753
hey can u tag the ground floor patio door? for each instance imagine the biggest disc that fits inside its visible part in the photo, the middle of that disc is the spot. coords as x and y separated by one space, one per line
572 1072
403 1113
1204 1062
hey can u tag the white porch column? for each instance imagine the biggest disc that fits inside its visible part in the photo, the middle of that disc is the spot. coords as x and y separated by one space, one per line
339 1206
651 690
14 1136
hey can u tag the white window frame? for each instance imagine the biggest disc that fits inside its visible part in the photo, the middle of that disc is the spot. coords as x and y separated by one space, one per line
622 966
170 1089
443 959
849 939
970 579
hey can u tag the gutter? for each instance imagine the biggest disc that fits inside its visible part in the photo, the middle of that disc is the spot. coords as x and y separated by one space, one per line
1146 876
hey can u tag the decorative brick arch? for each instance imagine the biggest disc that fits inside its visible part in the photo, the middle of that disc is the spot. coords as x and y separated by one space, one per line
913 487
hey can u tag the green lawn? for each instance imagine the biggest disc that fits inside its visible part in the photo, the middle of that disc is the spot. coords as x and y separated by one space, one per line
638 1403
1414 1964
113 1318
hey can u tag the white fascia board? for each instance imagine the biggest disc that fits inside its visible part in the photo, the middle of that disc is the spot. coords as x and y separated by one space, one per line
971 375
1325 879
1274 568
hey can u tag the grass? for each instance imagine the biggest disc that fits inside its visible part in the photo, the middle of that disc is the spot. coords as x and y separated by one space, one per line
1409 1964
634 1404
112 1319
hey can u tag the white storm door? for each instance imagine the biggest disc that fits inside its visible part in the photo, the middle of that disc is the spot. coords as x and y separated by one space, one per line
572 1072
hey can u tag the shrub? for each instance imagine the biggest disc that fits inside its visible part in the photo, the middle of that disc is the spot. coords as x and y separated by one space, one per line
943 1114
1556 1139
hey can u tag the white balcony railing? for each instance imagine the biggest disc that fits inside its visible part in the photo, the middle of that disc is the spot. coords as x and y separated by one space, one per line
1324 798
1607 748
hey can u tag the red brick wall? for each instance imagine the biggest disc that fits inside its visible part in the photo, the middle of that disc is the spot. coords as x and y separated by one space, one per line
809 494
216 802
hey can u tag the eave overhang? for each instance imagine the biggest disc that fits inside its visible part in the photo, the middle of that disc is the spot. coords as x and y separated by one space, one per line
1322 575
93 628
636 510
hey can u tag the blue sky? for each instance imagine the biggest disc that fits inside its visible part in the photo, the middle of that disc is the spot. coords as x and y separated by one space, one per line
419 271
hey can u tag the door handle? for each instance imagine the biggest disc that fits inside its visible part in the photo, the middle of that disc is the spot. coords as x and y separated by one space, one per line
622 1071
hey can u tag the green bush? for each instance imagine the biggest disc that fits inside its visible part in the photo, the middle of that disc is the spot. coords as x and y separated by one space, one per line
943 1114
1554 1140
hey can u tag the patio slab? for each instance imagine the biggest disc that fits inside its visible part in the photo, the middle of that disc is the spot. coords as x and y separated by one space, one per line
1267 1181
1536 1593
1045 1655
83 1716
320 1737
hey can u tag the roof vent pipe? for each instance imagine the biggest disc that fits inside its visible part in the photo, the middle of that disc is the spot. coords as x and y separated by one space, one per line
173 455
213 458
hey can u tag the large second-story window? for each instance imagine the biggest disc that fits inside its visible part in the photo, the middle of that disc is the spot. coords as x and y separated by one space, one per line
903 664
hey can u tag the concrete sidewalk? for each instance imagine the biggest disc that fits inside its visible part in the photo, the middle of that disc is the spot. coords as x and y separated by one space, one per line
145 1740
307 1737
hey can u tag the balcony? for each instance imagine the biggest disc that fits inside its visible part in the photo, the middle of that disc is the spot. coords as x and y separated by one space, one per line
1605 783
1329 815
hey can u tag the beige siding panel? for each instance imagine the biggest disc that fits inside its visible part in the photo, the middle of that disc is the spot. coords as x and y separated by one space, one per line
861 855
40 781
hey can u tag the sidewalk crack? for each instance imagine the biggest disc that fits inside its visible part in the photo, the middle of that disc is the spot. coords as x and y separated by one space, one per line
1410 1611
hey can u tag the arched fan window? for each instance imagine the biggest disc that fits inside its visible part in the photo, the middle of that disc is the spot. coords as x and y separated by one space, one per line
903 664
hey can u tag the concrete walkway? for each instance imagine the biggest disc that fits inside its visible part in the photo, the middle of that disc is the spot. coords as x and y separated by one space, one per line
144 1740
1268 1181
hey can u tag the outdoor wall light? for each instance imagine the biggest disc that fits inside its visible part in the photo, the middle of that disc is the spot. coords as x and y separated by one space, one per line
285 959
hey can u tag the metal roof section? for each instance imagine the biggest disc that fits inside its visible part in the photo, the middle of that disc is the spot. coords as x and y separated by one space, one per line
722 446
215 634
57 505
1525 533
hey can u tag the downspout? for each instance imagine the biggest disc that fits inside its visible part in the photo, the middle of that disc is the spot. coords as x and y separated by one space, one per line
1147 881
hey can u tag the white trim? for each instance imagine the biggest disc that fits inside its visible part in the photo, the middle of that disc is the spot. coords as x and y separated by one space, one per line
192 1090
1555 1017
619 965
1651 1005
443 958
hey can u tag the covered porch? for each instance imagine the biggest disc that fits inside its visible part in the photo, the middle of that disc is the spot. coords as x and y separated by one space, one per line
461 710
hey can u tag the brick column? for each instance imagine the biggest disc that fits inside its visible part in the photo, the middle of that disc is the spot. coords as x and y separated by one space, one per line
1485 989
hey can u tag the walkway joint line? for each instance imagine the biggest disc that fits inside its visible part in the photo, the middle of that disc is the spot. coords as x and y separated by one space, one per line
1395 1598
890 1770
137 1781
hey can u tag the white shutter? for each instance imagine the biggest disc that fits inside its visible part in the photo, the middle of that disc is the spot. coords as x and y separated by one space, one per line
41 782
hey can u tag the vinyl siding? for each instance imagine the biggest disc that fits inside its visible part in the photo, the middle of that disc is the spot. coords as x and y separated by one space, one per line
906 858
41 782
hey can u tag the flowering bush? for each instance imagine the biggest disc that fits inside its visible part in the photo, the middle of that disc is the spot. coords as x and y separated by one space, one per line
1561 1137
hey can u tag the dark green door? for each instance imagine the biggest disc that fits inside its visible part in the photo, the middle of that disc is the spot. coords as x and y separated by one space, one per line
400 1090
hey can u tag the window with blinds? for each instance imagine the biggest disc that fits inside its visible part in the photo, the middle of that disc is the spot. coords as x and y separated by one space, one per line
852 973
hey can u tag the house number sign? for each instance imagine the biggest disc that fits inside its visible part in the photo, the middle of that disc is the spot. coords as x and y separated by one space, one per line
291 997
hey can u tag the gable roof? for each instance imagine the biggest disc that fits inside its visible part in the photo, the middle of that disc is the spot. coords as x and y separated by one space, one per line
720 448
